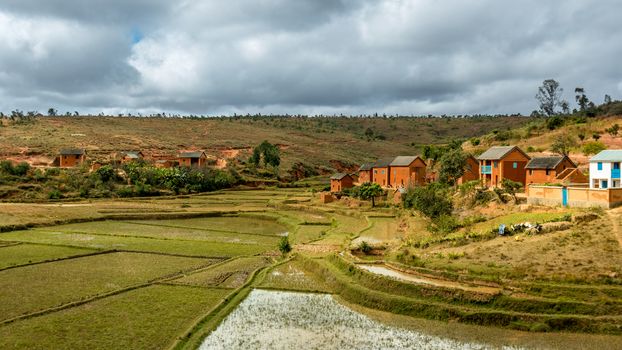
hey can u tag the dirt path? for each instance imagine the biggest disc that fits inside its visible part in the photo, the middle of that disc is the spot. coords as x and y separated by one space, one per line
615 215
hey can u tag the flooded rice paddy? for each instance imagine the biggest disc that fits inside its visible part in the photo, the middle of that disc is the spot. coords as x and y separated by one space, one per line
288 320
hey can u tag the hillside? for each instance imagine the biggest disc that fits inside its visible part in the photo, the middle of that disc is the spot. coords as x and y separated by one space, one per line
320 142
536 138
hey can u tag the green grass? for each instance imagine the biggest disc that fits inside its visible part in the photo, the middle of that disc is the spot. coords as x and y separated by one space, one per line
231 274
225 223
190 248
145 318
163 230
22 254
38 287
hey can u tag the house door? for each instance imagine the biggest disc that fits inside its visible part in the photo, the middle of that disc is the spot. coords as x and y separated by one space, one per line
565 197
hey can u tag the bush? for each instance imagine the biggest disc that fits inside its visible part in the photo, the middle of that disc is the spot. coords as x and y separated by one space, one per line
284 246
365 247
55 194
444 224
431 200
593 147
21 169
555 122
105 173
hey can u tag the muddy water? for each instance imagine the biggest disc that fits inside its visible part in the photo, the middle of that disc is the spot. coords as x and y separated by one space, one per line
385 271
286 320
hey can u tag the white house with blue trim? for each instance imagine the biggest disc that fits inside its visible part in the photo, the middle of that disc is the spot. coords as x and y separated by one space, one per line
605 169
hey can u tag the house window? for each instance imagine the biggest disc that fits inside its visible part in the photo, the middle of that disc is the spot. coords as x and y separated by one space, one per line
596 183
375 171
496 164
600 166
548 172
530 172
615 183
604 184
515 165
616 166
382 172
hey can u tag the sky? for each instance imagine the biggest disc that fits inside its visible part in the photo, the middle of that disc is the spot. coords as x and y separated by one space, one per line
214 57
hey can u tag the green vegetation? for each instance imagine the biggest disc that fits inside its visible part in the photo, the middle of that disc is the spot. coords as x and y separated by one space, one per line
144 318
230 274
39 287
23 254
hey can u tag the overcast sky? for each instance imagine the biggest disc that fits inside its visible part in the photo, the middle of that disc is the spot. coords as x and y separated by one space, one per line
304 56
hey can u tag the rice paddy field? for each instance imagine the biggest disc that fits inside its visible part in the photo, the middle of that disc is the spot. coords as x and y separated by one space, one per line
204 272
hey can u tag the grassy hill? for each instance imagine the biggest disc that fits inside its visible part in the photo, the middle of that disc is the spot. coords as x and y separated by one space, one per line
319 142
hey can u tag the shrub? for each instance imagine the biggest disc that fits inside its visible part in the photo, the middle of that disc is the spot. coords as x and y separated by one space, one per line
105 173
555 122
52 172
475 141
444 224
365 247
55 194
593 147
21 169
431 200
511 187
284 246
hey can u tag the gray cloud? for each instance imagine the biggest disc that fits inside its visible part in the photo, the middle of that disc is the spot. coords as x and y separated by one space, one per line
312 56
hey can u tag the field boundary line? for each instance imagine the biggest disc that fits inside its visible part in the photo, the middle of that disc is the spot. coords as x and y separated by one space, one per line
59 259
10 244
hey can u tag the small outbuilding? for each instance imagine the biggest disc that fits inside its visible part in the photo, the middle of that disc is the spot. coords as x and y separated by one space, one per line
70 158
192 159
131 156
341 181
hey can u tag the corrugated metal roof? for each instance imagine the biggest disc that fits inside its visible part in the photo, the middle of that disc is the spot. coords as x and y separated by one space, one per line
383 163
366 166
133 154
544 162
191 154
403 160
496 152
339 176
67 151
608 155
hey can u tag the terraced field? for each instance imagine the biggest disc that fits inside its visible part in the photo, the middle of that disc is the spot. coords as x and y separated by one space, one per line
165 273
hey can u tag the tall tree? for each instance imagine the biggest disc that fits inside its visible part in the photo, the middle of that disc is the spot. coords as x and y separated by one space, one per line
369 191
581 98
607 99
549 95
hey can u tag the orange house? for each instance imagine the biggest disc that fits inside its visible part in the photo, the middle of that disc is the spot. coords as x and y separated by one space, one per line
192 159
502 162
72 157
341 181
471 172
542 170
407 171
380 172
365 173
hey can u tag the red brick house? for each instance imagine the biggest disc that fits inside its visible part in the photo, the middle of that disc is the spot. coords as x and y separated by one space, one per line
365 173
341 181
503 162
192 159
380 172
542 170
407 171
71 157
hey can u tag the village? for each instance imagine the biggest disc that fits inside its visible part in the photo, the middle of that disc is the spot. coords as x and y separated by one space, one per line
550 180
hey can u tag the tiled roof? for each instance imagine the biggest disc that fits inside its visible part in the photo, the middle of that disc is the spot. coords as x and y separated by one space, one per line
383 163
366 166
